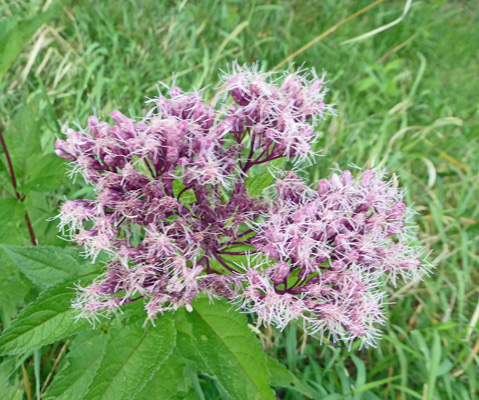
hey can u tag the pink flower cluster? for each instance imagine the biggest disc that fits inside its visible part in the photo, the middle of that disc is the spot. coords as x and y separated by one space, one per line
326 253
172 209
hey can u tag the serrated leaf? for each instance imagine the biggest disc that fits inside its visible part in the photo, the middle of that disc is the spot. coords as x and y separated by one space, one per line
132 355
48 265
46 320
168 383
13 289
280 376
83 360
230 351
15 34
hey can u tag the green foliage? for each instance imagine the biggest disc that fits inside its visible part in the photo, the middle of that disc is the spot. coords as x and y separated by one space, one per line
48 265
12 228
258 182
188 196
23 142
169 382
14 287
47 319
9 390
45 176
280 376
37 171
229 350
132 355
15 34
83 360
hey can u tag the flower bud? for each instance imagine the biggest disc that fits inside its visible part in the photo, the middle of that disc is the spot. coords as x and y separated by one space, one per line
323 187
346 177
172 154
63 154
281 272
367 180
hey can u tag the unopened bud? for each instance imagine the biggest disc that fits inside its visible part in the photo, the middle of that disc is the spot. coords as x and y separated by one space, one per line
281 272
323 187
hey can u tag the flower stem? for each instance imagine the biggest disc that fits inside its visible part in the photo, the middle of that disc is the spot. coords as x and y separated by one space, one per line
223 263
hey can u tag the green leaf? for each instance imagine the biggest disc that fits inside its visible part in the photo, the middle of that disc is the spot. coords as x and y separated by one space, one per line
257 183
48 265
83 360
360 376
41 207
187 197
35 171
15 35
132 355
184 339
169 382
375 384
280 376
23 143
229 350
46 177
9 390
13 289
434 362
48 319
12 228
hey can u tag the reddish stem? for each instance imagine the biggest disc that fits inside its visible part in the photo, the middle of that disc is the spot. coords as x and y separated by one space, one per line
183 191
246 232
14 184
267 159
246 242
208 268
10 165
232 253
223 263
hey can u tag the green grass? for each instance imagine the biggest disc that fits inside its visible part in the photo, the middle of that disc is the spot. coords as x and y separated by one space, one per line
407 100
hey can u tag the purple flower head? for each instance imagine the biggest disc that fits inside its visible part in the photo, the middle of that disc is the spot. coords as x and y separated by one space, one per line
173 211
328 251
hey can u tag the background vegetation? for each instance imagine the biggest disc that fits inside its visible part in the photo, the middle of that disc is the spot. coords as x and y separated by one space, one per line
407 100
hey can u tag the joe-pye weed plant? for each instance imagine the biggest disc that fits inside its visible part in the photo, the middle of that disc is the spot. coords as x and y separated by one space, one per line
196 223
80 348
